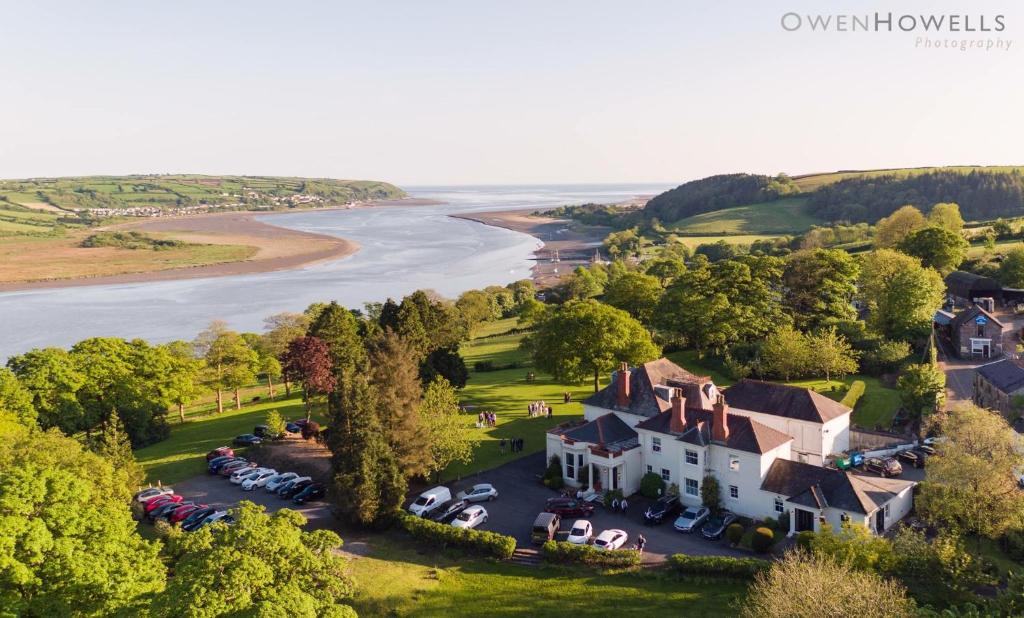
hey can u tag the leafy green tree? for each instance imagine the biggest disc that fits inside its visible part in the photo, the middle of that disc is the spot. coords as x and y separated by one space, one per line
522 291
230 362
281 330
114 446
587 338
711 493
395 375
946 215
819 286
368 483
476 307
808 586
922 388
891 230
428 324
263 565
15 399
635 293
623 244
937 248
68 544
971 484
786 353
446 438
275 423
1011 269
665 269
900 294
52 379
582 284
939 570
853 546
446 363
831 354
183 375
886 356
339 329
1001 228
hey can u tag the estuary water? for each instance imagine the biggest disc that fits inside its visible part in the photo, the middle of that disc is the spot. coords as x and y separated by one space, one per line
402 249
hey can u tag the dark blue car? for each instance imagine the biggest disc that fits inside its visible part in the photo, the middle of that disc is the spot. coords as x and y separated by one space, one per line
247 439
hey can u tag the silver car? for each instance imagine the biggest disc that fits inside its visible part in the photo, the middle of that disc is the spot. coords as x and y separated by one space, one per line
482 492
692 518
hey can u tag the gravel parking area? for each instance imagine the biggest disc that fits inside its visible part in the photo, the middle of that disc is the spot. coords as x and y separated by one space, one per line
521 497
218 491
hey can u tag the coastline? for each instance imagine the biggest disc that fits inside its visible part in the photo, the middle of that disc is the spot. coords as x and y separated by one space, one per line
277 248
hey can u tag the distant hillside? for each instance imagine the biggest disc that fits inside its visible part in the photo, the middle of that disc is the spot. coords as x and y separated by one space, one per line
90 197
849 195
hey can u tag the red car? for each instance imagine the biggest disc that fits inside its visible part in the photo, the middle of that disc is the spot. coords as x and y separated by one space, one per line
235 466
569 507
222 451
183 512
156 503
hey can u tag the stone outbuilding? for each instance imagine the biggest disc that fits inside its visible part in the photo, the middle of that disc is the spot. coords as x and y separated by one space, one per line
976 333
997 384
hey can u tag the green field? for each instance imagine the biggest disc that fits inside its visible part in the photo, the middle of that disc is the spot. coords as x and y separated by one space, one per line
740 239
785 216
396 580
810 182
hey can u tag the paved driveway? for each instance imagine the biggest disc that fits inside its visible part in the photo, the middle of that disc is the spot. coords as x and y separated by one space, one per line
521 497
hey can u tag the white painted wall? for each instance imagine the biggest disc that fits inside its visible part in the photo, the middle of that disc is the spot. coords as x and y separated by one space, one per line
809 439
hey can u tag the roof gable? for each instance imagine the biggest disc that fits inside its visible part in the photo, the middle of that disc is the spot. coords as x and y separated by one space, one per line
821 488
1005 375
783 400
969 315
745 434
644 398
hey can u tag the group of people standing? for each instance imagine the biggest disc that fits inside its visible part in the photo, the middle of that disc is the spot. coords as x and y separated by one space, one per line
486 419
516 445
539 408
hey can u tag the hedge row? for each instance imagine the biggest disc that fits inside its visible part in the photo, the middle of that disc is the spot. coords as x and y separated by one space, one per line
726 566
854 394
477 541
566 553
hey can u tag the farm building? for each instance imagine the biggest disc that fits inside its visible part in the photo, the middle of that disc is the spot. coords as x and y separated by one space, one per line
976 333
997 384
967 286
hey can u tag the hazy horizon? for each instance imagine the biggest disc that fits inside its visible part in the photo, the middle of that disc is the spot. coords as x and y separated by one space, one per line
459 93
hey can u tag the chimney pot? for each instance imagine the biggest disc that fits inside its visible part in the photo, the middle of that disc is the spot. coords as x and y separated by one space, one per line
720 418
677 422
622 383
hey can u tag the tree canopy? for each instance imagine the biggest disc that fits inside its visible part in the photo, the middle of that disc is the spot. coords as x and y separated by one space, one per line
936 247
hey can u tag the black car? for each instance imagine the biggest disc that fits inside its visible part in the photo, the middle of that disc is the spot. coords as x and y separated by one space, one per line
196 517
448 514
247 439
915 457
263 432
663 508
216 464
164 511
310 493
294 489
715 527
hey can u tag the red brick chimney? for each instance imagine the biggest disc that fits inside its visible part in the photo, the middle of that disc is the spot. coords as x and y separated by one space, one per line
720 420
677 422
622 396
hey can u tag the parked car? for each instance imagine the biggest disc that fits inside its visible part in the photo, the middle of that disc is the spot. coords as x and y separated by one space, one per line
663 508
569 507
927 448
445 515
240 475
220 451
479 493
887 466
914 457
253 481
263 432
289 484
715 526
216 465
470 517
692 518
181 514
197 516
165 511
247 439
545 527
312 492
153 492
292 427
235 466
279 479
431 500
294 489
581 532
155 503
611 539
209 519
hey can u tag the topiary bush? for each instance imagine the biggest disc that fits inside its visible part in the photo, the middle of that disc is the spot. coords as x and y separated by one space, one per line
763 540
568 553
652 485
854 394
553 475
480 542
722 566
734 533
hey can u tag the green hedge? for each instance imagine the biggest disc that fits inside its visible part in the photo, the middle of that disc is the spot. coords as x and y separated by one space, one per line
566 553
854 394
477 541
725 566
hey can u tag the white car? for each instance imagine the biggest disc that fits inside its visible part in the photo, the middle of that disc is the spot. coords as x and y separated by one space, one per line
274 482
479 493
611 539
253 481
153 492
470 517
241 475
580 532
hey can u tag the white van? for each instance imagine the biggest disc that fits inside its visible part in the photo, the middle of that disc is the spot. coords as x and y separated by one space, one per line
430 500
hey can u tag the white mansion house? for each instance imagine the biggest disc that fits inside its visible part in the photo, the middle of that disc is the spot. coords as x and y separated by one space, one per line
765 443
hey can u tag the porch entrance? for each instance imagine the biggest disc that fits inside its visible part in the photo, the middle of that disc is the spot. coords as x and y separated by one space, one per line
880 521
804 520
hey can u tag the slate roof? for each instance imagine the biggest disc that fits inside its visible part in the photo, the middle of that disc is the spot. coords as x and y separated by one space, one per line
943 318
1005 375
782 400
644 400
820 488
969 285
745 434
607 429
968 315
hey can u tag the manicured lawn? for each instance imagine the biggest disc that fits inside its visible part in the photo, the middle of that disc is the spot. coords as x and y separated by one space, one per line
989 549
507 393
399 581
786 216
183 454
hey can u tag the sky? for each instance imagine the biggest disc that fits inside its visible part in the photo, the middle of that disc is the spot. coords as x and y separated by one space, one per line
484 92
